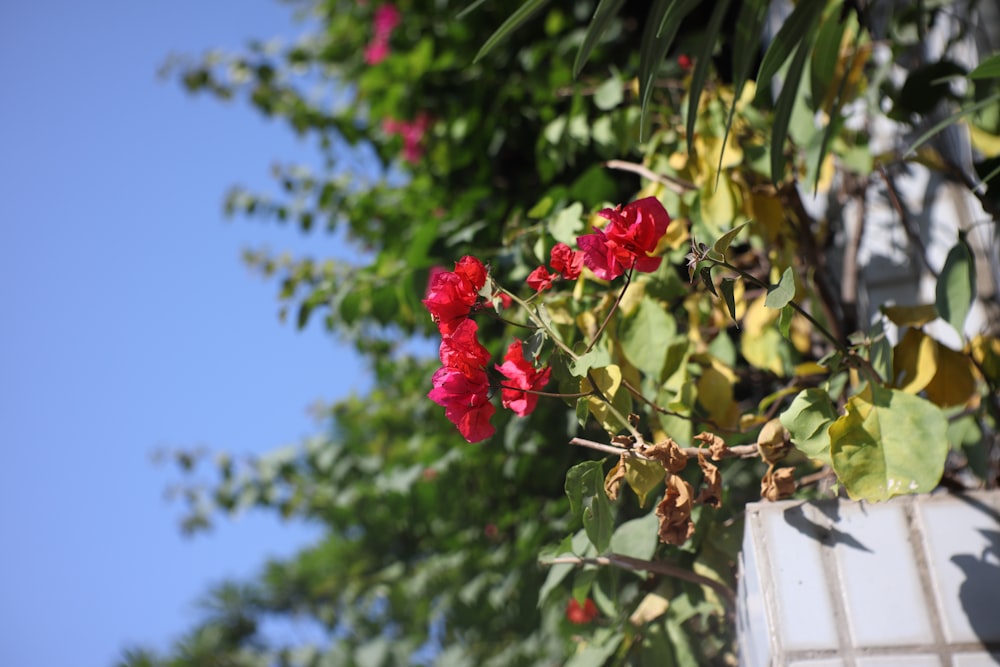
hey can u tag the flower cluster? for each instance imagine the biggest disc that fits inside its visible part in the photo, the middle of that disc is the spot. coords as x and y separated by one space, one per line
412 133
564 261
462 385
386 19
632 232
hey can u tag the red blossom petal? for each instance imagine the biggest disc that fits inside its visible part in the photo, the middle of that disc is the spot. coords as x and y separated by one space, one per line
540 279
521 375
462 350
566 261
472 270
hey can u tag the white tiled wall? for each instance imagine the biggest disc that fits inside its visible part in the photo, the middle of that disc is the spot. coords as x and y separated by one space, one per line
913 582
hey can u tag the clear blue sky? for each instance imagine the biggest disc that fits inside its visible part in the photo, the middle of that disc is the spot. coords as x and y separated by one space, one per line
129 323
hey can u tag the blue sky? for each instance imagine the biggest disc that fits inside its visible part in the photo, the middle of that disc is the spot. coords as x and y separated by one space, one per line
129 322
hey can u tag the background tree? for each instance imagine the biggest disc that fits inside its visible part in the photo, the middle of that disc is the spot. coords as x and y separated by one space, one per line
439 141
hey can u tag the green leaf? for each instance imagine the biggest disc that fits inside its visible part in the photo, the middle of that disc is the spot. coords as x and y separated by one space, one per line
596 358
646 336
582 583
778 296
728 296
956 286
888 443
566 224
603 15
585 490
597 651
703 60
576 545
609 94
580 481
722 245
705 273
664 19
826 54
880 355
794 35
807 420
783 107
513 22
988 69
637 538
785 321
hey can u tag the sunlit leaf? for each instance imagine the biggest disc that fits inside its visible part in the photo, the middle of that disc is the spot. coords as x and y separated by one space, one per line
910 316
914 361
646 336
987 69
888 443
637 538
779 295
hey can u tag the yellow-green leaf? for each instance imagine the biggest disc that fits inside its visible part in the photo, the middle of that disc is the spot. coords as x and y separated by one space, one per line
888 443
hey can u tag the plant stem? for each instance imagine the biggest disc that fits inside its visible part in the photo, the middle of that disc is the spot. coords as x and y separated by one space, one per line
614 307
556 340
658 567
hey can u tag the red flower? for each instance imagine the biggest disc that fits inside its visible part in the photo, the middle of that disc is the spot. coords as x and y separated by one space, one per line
521 375
626 241
461 349
540 279
581 615
566 261
466 401
684 61
452 294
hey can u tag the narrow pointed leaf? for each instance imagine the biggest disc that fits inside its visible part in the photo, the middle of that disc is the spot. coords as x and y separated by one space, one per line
728 295
722 245
665 18
603 16
783 110
795 31
988 69
703 60
956 287
513 22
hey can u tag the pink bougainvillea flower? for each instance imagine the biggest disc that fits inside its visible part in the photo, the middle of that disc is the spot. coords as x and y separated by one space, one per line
387 17
376 51
626 241
684 61
466 401
581 615
462 350
412 133
540 279
566 261
451 295
521 375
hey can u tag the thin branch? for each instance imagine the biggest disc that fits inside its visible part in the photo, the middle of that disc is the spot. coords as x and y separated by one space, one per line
639 565
737 452
904 217
674 184
611 311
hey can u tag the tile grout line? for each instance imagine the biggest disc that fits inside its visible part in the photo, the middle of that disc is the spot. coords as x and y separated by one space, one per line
835 590
918 545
